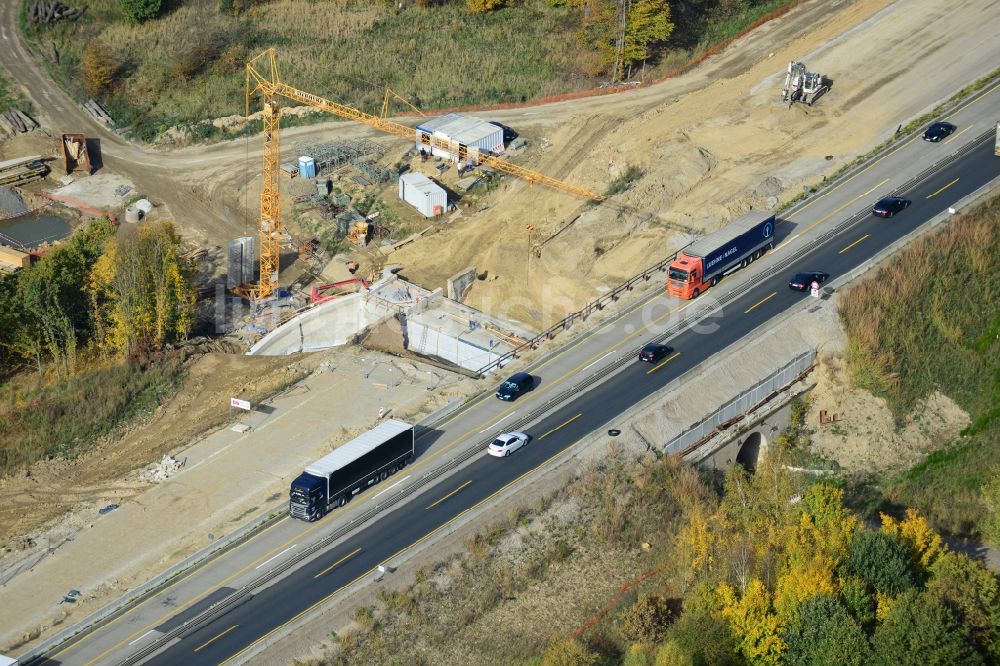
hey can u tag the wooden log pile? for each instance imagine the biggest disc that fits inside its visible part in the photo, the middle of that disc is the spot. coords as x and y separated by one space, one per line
48 11
97 111
16 122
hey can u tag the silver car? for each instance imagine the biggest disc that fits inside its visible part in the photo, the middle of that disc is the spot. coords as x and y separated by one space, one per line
507 443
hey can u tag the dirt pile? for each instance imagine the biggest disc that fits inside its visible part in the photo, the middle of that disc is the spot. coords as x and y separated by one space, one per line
707 157
864 437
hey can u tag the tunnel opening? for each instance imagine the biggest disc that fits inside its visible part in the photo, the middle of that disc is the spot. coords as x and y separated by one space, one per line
750 451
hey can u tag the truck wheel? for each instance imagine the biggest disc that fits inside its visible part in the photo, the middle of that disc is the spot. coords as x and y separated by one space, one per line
696 293
342 501
384 475
715 281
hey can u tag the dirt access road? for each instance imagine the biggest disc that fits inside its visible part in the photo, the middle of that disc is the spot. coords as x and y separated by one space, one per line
208 189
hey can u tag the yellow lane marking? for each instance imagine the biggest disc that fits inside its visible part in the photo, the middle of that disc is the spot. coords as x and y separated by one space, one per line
955 136
459 440
854 243
397 554
467 408
831 214
760 302
449 494
189 602
212 640
338 563
561 426
663 363
867 168
943 188
555 382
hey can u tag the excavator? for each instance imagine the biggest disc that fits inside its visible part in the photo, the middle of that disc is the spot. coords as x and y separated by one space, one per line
803 86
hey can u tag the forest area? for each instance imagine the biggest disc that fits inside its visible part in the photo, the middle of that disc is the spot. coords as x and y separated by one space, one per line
654 563
434 53
82 338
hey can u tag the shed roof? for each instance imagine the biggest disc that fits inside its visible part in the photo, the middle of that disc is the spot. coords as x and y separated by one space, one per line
357 447
421 183
464 129
737 227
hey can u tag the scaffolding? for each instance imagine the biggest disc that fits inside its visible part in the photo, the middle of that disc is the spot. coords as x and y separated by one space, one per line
375 173
333 155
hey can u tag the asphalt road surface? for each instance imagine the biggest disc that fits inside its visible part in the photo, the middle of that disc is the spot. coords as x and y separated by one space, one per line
230 635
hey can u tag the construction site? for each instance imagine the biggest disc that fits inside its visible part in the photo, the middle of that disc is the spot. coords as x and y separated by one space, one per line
441 247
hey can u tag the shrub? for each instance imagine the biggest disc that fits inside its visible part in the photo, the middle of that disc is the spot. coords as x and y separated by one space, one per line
138 11
920 630
645 621
567 652
881 561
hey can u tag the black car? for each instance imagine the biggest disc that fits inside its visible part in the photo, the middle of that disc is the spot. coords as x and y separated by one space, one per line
938 131
515 385
803 281
653 352
889 206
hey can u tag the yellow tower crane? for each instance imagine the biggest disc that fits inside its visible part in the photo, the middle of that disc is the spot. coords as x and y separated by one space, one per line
262 76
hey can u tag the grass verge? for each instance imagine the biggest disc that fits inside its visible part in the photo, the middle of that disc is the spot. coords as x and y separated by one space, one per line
928 322
40 418
11 97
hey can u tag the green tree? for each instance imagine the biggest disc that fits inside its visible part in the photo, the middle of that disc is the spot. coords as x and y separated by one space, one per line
567 652
830 526
137 11
141 291
46 304
919 630
825 633
701 638
623 41
880 560
645 621
648 24
972 593
637 655
859 599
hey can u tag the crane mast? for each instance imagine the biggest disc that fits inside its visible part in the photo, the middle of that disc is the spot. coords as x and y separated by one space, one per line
269 84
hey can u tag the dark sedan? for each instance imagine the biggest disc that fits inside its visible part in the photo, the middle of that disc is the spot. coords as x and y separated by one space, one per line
889 206
938 131
803 281
653 352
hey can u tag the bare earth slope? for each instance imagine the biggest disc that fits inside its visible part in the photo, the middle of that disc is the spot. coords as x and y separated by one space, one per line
709 154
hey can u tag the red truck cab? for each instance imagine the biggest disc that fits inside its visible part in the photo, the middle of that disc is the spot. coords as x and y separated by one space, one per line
702 264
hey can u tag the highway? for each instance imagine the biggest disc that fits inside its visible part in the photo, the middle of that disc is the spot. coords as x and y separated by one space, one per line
749 299
229 636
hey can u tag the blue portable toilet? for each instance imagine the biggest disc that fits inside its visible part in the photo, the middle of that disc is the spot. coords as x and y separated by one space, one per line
307 167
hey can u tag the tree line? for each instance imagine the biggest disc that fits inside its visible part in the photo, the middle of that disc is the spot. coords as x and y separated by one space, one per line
106 293
780 576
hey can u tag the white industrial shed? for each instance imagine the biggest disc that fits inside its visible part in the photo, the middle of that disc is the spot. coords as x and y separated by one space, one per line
461 133
429 198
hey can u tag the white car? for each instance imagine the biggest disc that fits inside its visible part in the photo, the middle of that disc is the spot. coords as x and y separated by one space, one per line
507 443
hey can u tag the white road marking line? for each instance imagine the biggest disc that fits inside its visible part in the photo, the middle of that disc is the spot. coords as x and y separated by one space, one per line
391 487
143 636
489 427
276 556
598 360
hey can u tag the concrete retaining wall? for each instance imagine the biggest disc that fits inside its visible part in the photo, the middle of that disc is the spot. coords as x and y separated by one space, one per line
330 324
427 340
